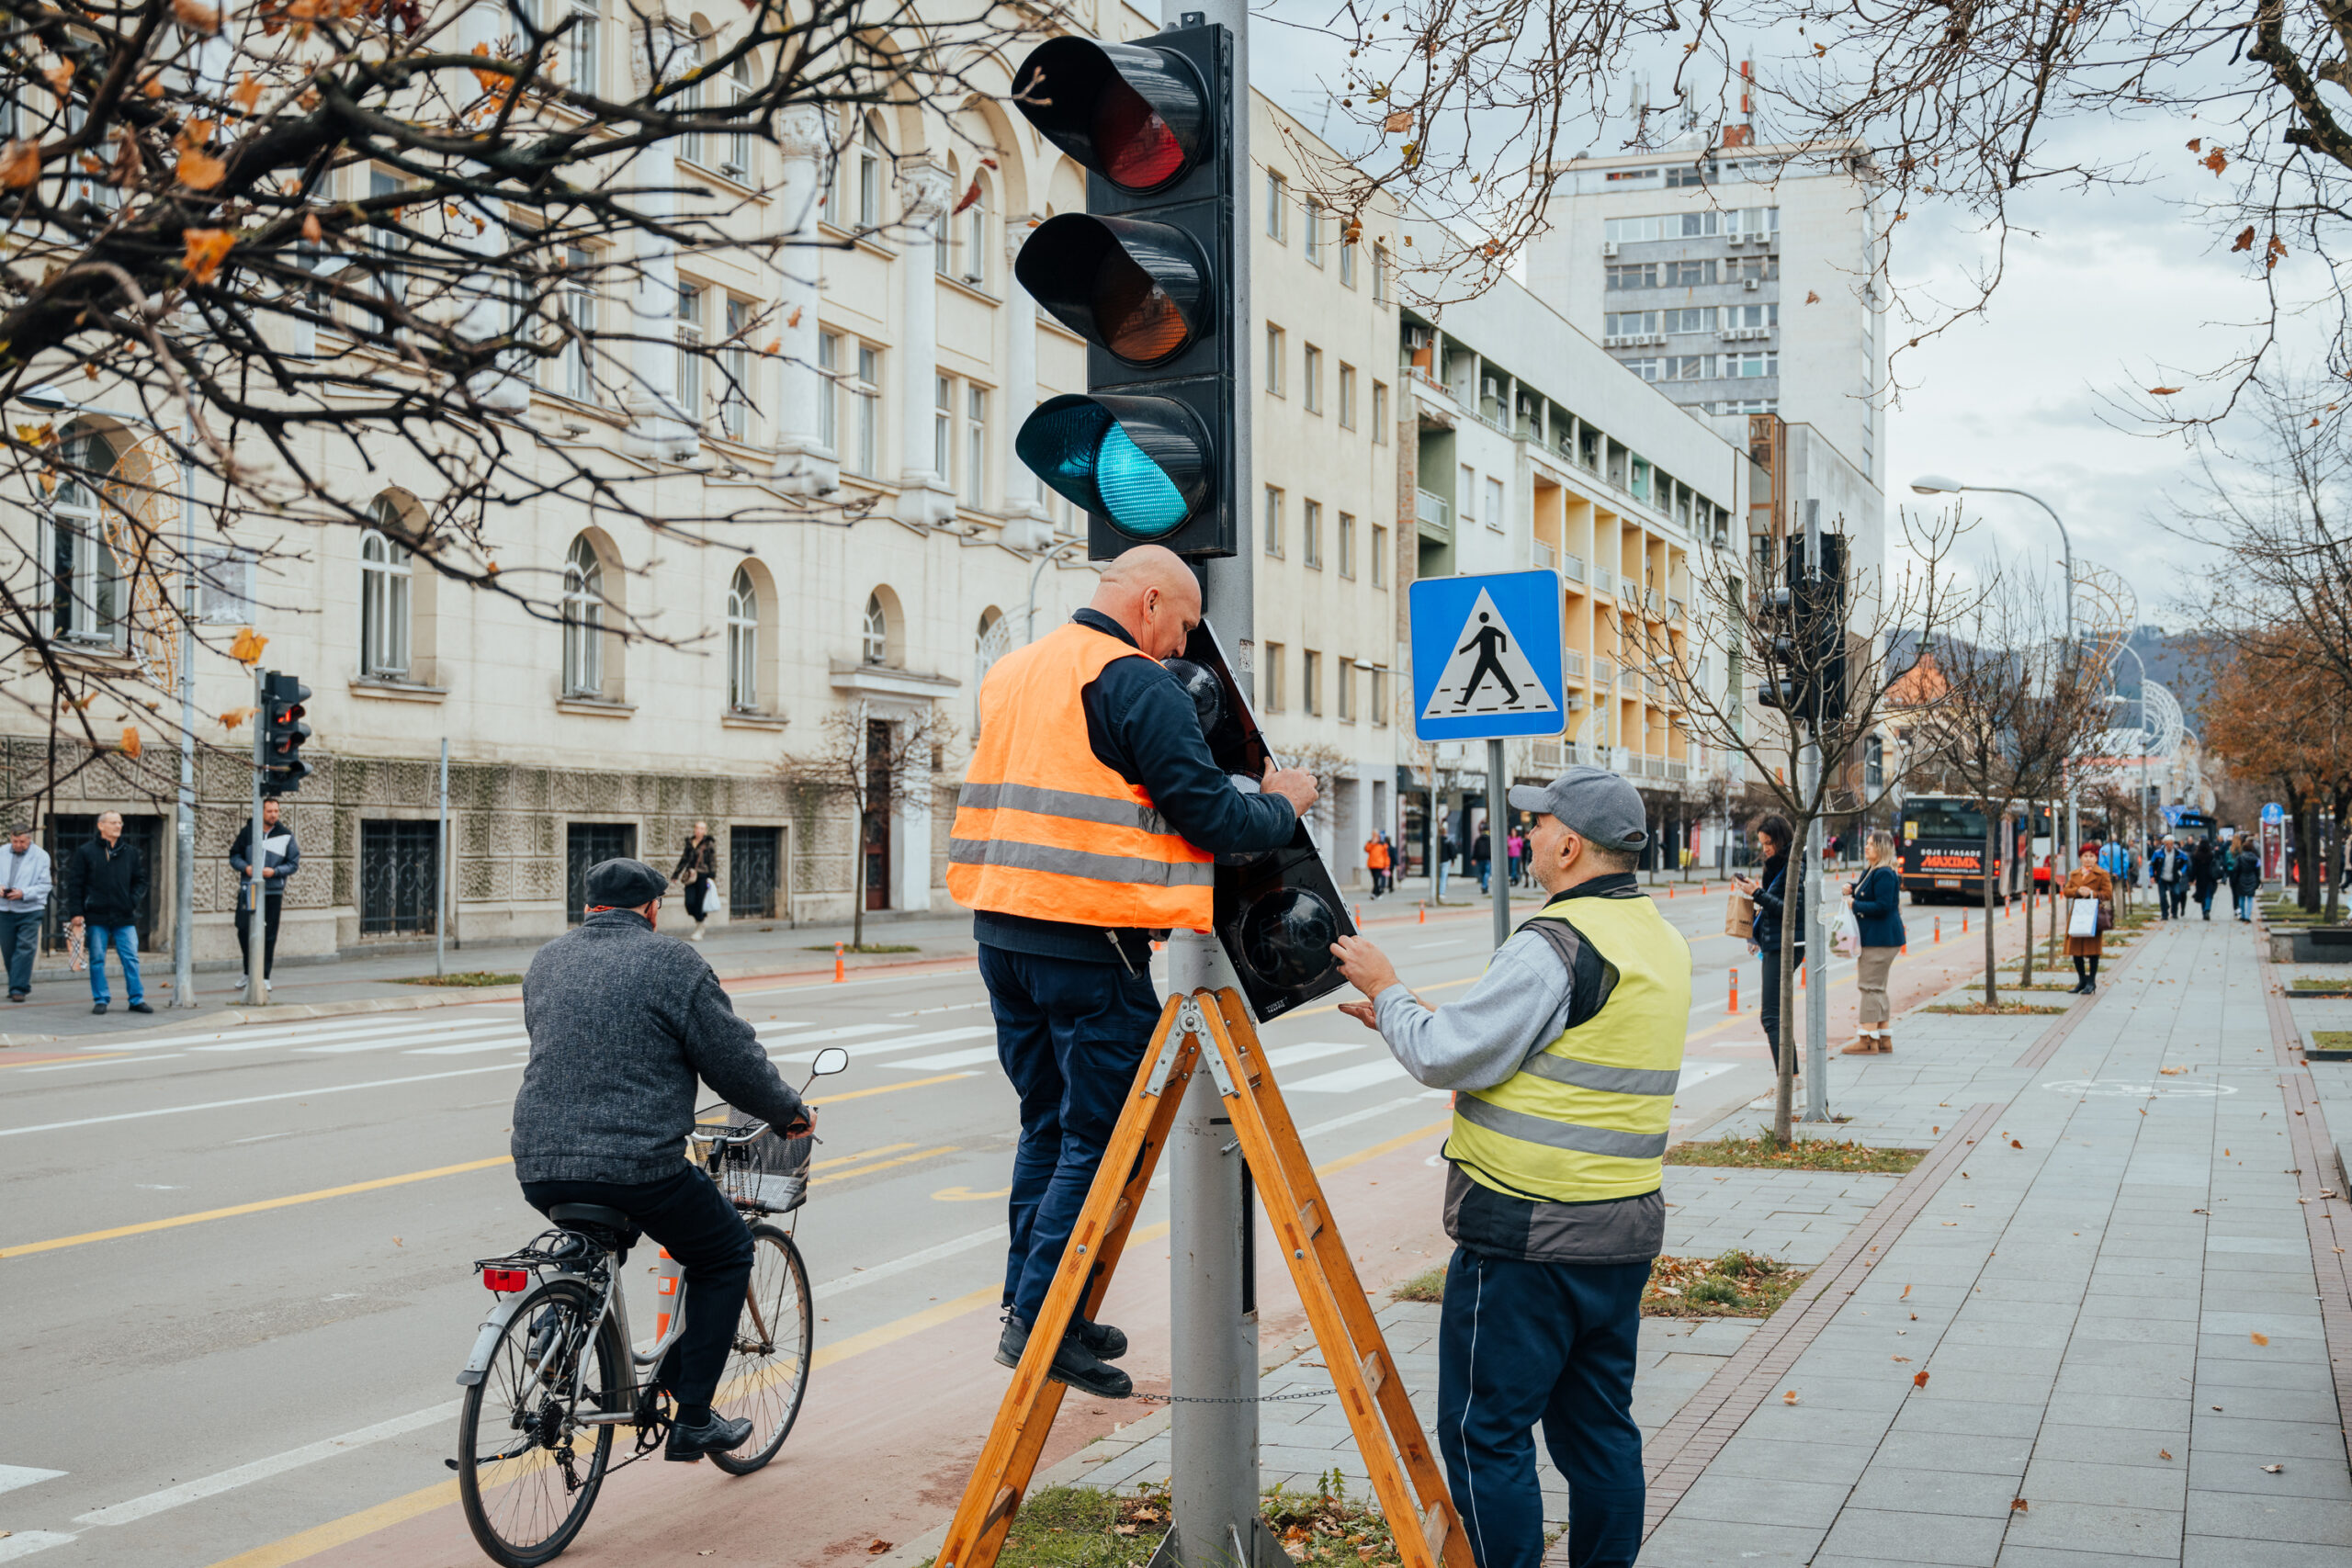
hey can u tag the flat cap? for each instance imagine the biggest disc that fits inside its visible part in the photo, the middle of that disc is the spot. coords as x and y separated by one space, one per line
1592 802
623 883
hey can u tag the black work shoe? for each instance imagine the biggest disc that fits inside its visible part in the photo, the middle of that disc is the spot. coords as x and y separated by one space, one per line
1100 1337
97 1007
716 1436
1074 1363
141 1007
15 996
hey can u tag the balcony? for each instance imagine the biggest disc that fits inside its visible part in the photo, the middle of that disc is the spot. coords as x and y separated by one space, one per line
1546 558
1674 609
1434 516
1572 661
1678 772
1630 590
1572 567
1604 673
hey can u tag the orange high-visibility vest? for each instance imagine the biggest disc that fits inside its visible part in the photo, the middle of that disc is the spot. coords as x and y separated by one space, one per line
1375 855
1043 829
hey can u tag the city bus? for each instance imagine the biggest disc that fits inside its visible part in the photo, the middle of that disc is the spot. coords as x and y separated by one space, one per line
1940 846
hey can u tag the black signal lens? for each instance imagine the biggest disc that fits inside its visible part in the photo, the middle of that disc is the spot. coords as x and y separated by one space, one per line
1140 289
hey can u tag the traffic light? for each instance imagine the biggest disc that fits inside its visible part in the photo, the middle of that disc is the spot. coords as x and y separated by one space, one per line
1783 649
1803 620
283 733
1146 275
1824 623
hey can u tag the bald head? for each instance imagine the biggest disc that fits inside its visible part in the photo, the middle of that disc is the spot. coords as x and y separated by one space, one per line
1151 592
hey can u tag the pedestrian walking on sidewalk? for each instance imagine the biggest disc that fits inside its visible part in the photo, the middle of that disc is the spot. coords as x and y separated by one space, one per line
1088 818
1562 1060
105 890
698 868
1878 911
1482 857
281 857
2087 881
2245 878
1776 898
2205 871
23 904
2169 868
1376 861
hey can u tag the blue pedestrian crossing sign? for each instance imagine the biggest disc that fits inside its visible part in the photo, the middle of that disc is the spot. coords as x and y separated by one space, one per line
1486 656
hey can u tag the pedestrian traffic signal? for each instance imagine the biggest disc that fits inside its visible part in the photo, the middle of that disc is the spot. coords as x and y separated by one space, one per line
1146 275
283 733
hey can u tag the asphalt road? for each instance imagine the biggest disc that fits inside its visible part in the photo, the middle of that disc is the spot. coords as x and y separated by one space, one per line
238 1281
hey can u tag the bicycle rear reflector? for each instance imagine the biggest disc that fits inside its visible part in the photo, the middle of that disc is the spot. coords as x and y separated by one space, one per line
1137 116
505 1282
1139 462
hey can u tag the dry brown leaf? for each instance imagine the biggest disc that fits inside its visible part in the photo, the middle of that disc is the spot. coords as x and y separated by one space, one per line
60 78
2017 1505
794 319
1401 120
1901 1358
1790 1397
398 1242
2197 145
131 742
2245 241
196 16
2216 159
19 165
2161 392
876 1547
2015 1144
247 645
1905 1295
2164 1453
1919 1380
2273 1469
2276 253
151 85
207 248
248 93
311 228
971 194
234 718
200 171
2259 1338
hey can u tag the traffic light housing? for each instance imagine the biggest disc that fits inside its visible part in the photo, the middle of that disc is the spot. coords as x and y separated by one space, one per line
1804 620
1146 275
283 733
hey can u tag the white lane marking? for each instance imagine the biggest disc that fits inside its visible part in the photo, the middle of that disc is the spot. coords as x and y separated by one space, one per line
254 1100
263 1469
912 1260
1432 946
15 1475
1308 1051
102 1061
778 1025
24 1544
1352 1117
496 1043
394 1042
846 1031
316 1030
951 1007
904 1042
1347 1080
972 1057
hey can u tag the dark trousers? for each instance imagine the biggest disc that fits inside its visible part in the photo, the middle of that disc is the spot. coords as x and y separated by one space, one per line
1070 1035
1770 1010
698 898
2174 899
271 910
19 938
684 1213
1521 1343
2205 899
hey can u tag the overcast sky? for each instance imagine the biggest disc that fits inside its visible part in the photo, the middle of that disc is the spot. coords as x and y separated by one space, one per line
2106 294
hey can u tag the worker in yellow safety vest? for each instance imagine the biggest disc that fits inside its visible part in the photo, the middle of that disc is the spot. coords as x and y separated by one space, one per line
1087 823
1564 1059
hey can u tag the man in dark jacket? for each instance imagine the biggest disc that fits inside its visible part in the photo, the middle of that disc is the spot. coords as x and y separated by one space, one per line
106 887
622 1021
281 857
2169 869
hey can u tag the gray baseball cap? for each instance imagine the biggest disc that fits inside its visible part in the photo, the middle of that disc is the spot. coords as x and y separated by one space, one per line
1593 802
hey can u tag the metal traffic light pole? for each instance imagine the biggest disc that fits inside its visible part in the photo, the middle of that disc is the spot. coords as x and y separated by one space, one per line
257 918
1817 1001
1213 1349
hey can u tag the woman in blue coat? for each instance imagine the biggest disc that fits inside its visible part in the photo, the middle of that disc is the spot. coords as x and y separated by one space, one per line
1878 910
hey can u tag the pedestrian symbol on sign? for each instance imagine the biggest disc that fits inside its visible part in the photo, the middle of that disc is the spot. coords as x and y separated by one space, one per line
1486 672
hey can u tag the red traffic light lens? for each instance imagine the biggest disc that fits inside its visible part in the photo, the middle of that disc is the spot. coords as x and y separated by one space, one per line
1136 115
1139 152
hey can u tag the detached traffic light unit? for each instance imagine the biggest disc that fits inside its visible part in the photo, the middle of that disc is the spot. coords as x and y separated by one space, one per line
1806 662
1145 276
282 734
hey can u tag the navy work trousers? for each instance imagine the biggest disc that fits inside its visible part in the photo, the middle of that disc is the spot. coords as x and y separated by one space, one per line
1521 1343
1070 1035
686 1213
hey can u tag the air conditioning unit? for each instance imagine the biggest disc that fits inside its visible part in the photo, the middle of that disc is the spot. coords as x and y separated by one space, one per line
1416 338
1607 247
1752 284
1575 702
1736 240
1494 389
1657 340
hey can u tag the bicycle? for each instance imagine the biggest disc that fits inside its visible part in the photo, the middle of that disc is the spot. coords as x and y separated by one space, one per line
554 1369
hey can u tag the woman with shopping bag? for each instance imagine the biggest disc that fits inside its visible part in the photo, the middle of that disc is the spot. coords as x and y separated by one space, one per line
1877 897
2090 910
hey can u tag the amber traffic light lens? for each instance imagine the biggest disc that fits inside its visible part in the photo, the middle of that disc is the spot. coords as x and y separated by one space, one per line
1142 323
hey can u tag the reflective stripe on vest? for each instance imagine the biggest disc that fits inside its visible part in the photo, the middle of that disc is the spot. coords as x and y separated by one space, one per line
1043 828
1585 1119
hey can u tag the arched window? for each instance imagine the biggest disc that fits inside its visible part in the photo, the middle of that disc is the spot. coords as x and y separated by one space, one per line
874 638
742 642
90 594
992 642
384 580
584 621
739 145
870 154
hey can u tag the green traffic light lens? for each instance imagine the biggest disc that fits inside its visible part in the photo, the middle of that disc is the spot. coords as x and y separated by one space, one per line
1139 494
1075 445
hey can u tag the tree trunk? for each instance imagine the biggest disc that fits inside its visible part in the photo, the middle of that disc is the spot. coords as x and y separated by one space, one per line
1992 976
2334 857
2307 857
2025 955
857 874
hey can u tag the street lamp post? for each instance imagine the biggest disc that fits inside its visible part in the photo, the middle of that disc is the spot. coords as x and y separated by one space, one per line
1938 484
53 398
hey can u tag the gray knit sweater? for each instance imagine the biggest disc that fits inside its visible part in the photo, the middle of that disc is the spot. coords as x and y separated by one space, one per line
622 1021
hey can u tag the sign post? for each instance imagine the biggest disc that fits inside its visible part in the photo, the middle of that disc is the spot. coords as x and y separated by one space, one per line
1487 666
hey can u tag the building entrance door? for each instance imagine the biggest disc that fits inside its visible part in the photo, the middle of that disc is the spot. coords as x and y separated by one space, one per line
878 742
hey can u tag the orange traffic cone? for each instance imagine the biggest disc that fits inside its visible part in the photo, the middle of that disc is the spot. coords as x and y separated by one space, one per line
841 970
1733 1007
1425 914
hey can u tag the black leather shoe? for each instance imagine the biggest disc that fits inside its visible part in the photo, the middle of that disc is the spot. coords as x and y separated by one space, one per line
1100 1337
141 1007
1074 1363
716 1436
15 996
97 1007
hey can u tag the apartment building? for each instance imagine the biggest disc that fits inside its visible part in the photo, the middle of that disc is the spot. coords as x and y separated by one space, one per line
877 546
1526 445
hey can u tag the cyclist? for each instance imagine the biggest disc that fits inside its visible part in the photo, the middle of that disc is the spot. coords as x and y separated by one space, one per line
622 1021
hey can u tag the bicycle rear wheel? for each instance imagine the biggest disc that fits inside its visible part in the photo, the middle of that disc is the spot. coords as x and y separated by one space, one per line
767 1372
524 1483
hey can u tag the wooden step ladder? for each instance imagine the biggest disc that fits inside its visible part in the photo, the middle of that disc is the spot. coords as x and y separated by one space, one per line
1212 1028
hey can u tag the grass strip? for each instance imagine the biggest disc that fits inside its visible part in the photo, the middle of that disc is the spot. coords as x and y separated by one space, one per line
471 978
1982 1010
1080 1527
2331 1040
1765 1152
1734 1284
865 947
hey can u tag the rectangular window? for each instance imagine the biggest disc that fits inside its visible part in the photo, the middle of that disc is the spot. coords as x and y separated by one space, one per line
976 445
1310 534
1495 512
1380 274
829 391
387 240
1466 494
1274 360
1310 681
1273 523
1347 397
976 242
739 143
1344 684
1635 275
1310 381
1379 696
1347 262
942 429
1347 544
224 586
1277 207
690 101
1311 232
582 47
736 404
575 368
1379 556
1273 683
1379 413
869 178
1689 274
867 392
689 330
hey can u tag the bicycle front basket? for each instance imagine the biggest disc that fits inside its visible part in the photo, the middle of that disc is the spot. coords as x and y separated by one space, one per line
767 1175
